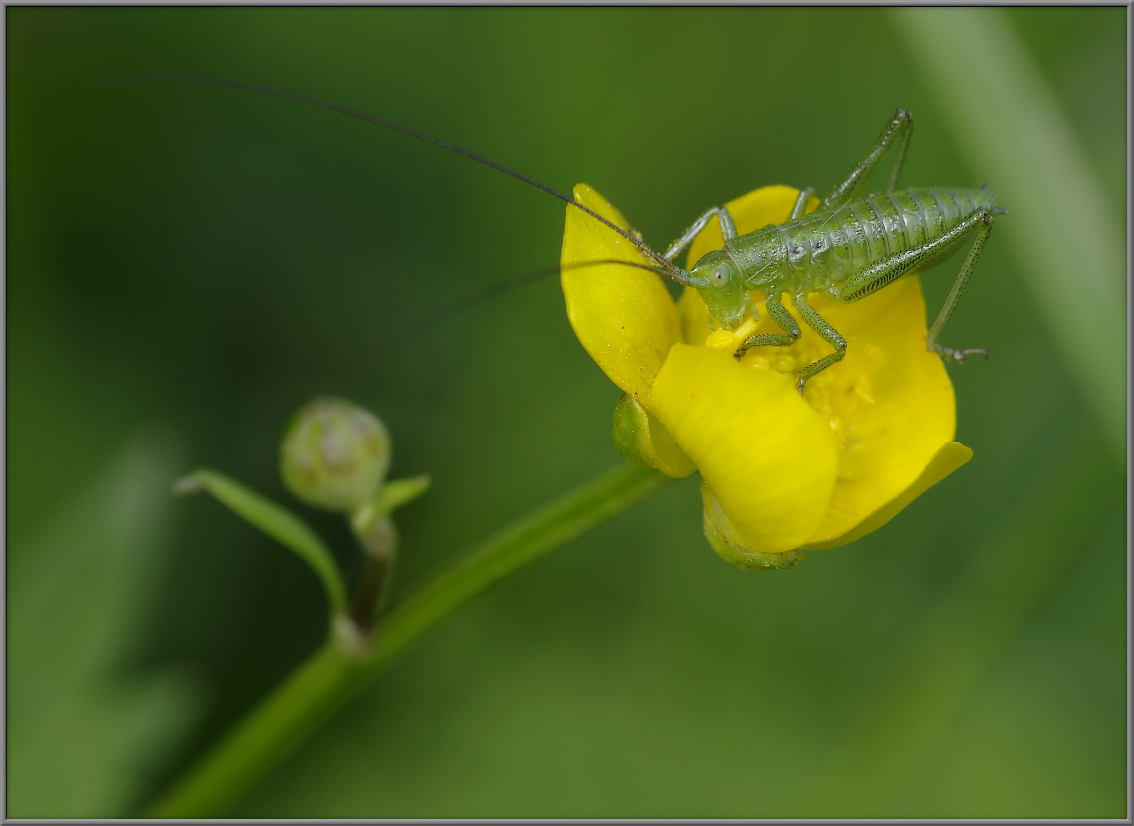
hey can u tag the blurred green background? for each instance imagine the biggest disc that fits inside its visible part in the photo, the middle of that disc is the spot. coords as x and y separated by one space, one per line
187 265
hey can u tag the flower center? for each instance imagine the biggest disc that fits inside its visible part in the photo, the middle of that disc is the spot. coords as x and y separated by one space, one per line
843 394
840 394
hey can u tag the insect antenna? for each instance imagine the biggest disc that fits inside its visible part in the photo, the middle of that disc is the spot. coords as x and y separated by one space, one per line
427 322
671 271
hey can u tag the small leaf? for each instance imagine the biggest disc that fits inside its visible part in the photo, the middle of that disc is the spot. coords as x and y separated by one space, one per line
398 492
276 522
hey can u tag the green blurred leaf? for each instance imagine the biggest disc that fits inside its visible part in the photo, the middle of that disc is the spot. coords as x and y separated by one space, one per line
276 522
84 732
965 637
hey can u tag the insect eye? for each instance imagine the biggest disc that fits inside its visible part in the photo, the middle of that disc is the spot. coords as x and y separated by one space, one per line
721 273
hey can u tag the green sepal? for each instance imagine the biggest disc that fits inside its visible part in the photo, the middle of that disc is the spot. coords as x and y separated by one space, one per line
371 522
398 492
723 540
643 439
748 560
274 520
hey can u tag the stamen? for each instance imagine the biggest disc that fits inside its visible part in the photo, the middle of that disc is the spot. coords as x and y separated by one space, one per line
731 339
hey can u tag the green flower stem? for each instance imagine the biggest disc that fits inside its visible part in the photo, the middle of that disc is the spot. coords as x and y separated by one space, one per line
371 588
347 662
296 709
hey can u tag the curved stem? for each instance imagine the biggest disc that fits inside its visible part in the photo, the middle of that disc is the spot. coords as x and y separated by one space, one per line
347 662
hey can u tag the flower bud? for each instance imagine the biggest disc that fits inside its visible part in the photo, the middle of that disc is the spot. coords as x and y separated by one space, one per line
642 439
724 541
335 454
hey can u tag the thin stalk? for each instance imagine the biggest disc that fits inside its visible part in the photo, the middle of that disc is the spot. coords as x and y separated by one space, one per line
378 541
348 662
371 586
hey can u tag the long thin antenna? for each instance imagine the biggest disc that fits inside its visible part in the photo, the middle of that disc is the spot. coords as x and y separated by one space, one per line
426 321
671 270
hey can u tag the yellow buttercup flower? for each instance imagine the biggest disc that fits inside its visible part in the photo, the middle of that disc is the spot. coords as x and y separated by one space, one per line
780 471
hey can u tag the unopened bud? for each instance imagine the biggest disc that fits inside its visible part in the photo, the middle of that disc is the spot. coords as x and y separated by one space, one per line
335 454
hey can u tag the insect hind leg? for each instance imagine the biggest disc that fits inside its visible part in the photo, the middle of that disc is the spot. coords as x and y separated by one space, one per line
984 219
899 127
881 273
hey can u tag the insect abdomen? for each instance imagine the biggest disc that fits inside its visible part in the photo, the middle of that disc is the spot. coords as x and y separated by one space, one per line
827 247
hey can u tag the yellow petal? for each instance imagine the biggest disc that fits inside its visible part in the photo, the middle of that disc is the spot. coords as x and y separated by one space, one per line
768 458
890 400
694 313
623 316
948 458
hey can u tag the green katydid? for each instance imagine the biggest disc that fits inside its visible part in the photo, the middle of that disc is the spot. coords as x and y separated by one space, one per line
848 248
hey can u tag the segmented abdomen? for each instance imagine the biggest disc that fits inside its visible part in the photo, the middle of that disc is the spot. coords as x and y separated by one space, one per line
827 247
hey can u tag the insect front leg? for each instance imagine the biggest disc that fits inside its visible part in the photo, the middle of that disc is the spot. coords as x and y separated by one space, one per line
900 127
882 272
728 230
783 319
